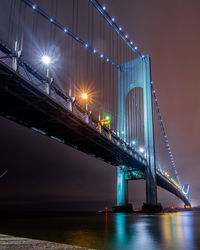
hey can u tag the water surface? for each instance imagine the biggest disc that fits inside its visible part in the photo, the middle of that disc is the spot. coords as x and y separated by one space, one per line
179 230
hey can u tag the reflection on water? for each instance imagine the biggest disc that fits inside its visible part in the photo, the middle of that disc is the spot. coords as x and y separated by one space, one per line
174 231
164 231
178 230
134 234
106 222
121 230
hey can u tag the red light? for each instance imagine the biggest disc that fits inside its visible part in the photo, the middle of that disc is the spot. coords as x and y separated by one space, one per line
172 207
106 208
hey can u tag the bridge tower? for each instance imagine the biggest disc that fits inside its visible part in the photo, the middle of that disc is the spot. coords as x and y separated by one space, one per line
186 190
132 74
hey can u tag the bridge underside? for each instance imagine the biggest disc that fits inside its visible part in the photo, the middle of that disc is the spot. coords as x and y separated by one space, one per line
164 183
24 103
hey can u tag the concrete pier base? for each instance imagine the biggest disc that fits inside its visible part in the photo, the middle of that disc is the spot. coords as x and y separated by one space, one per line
146 208
123 209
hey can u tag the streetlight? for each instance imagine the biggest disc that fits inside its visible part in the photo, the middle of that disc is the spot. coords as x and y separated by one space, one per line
134 142
141 149
84 96
46 60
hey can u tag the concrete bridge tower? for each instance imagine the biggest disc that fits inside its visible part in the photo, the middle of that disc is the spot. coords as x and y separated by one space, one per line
132 74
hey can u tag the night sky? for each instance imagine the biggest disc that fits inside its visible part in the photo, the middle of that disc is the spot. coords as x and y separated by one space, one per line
44 174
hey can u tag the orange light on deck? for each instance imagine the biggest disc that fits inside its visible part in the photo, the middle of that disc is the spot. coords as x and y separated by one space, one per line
84 96
172 207
187 206
165 173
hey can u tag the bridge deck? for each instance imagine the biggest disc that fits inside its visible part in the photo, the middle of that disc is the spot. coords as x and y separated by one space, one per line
164 183
26 104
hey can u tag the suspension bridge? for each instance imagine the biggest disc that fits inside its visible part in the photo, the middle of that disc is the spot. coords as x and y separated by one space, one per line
70 72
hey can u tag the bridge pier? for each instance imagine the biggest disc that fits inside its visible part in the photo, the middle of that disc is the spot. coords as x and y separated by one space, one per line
122 193
151 204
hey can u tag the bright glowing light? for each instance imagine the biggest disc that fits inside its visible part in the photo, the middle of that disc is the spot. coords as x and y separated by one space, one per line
65 30
141 149
122 132
86 45
34 6
94 50
134 142
113 19
120 28
104 7
107 117
51 20
101 55
46 59
131 42
84 96
126 36
142 56
136 48
107 59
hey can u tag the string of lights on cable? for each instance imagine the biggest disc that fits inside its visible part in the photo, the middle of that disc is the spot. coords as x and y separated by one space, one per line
67 31
164 133
112 22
